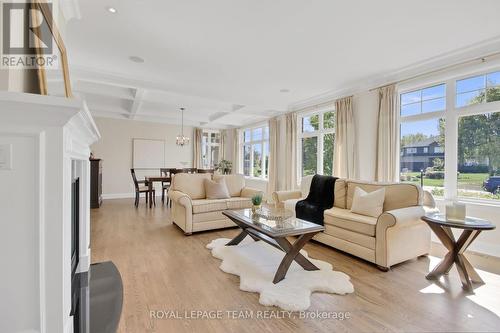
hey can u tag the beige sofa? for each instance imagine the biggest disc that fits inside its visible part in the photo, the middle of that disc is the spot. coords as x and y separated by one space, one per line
395 236
193 212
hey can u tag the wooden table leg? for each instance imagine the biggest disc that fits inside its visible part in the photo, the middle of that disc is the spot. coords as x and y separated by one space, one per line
455 255
292 252
150 193
236 240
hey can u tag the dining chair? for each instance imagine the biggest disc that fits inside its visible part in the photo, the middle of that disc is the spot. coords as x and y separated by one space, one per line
189 170
165 185
141 189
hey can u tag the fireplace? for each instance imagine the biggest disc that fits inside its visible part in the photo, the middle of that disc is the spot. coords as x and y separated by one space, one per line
50 140
75 244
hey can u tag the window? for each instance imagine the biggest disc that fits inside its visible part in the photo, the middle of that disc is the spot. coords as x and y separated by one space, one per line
426 100
478 157
471 149
255 149
478 89
210 148
316 141
424 132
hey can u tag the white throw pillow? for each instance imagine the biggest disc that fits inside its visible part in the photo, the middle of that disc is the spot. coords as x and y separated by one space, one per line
216 189
368 203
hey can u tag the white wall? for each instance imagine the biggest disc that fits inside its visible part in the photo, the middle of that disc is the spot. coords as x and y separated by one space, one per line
19 246
115 148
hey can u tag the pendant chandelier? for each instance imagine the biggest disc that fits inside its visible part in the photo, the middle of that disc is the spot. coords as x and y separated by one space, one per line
182 140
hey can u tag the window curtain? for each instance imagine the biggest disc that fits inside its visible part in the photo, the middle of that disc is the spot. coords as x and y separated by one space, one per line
197 148
272 184
235 134
387 135
290 159
344 161
222 145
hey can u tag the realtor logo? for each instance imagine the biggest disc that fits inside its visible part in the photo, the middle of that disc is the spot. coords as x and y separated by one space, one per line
27 39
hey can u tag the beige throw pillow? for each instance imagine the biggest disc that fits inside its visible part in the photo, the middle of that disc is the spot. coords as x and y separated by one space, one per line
216 190
368 203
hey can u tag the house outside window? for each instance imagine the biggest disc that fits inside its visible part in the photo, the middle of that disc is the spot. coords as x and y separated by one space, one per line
316 142
255 151
210 148
457 137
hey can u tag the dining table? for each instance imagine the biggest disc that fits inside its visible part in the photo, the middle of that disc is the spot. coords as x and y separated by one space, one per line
150 180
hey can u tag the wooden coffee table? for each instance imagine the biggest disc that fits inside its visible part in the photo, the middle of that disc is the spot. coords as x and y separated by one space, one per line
275 233
442 228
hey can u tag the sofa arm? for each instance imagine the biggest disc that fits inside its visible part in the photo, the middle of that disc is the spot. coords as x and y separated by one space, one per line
399 218
401 235
180 197
248 192
182 211
279 197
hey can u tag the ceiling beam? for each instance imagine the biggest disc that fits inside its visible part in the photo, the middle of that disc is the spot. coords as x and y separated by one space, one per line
136 105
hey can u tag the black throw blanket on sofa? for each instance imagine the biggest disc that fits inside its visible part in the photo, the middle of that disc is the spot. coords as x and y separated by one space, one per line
320 198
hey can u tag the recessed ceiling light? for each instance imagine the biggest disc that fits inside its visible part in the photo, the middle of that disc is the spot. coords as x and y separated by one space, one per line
284 90
112 10
136 59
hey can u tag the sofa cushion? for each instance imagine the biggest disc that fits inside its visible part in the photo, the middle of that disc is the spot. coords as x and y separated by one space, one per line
350 236
340 193
397 195
191 183
238 203
369 204
208 205
290 204
305 185
216 189
235 183
343 218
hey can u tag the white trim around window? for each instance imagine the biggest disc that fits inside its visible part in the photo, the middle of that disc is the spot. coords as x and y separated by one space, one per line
255 141
451 114
318 133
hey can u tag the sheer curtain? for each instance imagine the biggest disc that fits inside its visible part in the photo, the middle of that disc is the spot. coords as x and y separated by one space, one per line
290 160
344 160
387 135
236 150
272 184
222 145
197 148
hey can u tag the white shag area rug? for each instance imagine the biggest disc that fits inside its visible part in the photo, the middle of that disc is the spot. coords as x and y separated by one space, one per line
256 263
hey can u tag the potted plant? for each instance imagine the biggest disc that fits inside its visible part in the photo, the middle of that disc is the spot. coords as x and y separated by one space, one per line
256 201
224 167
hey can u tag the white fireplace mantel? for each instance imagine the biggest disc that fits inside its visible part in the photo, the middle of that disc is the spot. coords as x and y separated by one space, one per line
50 140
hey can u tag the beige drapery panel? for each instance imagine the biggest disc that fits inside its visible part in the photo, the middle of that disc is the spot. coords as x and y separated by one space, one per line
222 145
344 161
290 160
235 134
197 148
387 135
272 184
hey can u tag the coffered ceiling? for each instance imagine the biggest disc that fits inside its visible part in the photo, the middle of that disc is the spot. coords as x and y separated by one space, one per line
226 61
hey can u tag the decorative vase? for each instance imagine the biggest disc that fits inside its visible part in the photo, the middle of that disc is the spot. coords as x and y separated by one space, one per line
255 208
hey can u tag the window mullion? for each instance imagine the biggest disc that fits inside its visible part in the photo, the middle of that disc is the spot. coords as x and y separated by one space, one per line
450 144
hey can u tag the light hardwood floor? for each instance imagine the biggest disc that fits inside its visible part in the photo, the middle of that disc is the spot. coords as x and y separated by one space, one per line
164 270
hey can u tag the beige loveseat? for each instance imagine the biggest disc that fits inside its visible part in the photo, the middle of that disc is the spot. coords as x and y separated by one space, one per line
193 212
395 236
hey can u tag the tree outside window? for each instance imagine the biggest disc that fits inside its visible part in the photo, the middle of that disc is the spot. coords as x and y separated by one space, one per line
255 150
317 142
